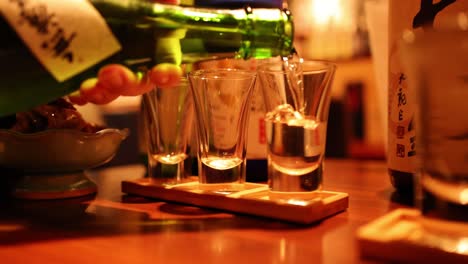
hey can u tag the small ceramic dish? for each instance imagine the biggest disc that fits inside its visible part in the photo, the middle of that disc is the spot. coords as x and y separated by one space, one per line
51 164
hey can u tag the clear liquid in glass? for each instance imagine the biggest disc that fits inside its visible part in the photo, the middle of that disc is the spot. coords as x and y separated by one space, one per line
222 174
295 151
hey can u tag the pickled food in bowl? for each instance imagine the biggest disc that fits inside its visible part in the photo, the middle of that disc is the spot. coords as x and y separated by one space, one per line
58 114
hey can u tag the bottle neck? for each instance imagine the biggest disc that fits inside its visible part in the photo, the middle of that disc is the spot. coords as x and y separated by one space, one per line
250 32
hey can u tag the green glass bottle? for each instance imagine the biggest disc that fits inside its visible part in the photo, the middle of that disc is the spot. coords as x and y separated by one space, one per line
49 47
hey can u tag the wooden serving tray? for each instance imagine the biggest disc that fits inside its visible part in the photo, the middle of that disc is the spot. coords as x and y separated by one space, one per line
255 199
403 235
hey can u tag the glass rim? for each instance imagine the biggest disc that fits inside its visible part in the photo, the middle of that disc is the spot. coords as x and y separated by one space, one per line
322 65
213 73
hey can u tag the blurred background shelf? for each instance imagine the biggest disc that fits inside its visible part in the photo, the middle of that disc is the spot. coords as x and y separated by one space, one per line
356 128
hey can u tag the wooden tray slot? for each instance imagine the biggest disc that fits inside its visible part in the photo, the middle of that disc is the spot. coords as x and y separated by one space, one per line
254 199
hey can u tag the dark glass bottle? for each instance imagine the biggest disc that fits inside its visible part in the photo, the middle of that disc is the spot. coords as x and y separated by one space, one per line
136 26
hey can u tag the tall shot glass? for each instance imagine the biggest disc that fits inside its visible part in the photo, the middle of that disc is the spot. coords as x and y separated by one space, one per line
297 99
168 121
222 98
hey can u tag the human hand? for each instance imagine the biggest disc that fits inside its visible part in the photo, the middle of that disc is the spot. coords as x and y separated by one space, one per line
116 80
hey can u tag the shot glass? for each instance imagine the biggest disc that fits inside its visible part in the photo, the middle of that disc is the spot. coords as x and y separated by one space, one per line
436 65
168 121
297 99
222 98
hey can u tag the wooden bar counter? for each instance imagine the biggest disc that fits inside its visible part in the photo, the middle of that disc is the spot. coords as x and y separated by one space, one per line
112 227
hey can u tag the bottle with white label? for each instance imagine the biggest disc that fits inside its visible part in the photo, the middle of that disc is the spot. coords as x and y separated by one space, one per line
49 47
401 152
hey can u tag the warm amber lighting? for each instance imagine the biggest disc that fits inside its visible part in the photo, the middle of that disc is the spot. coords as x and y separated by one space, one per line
462 246
283 250
297 202
462 20
327 11
464 197
325 28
